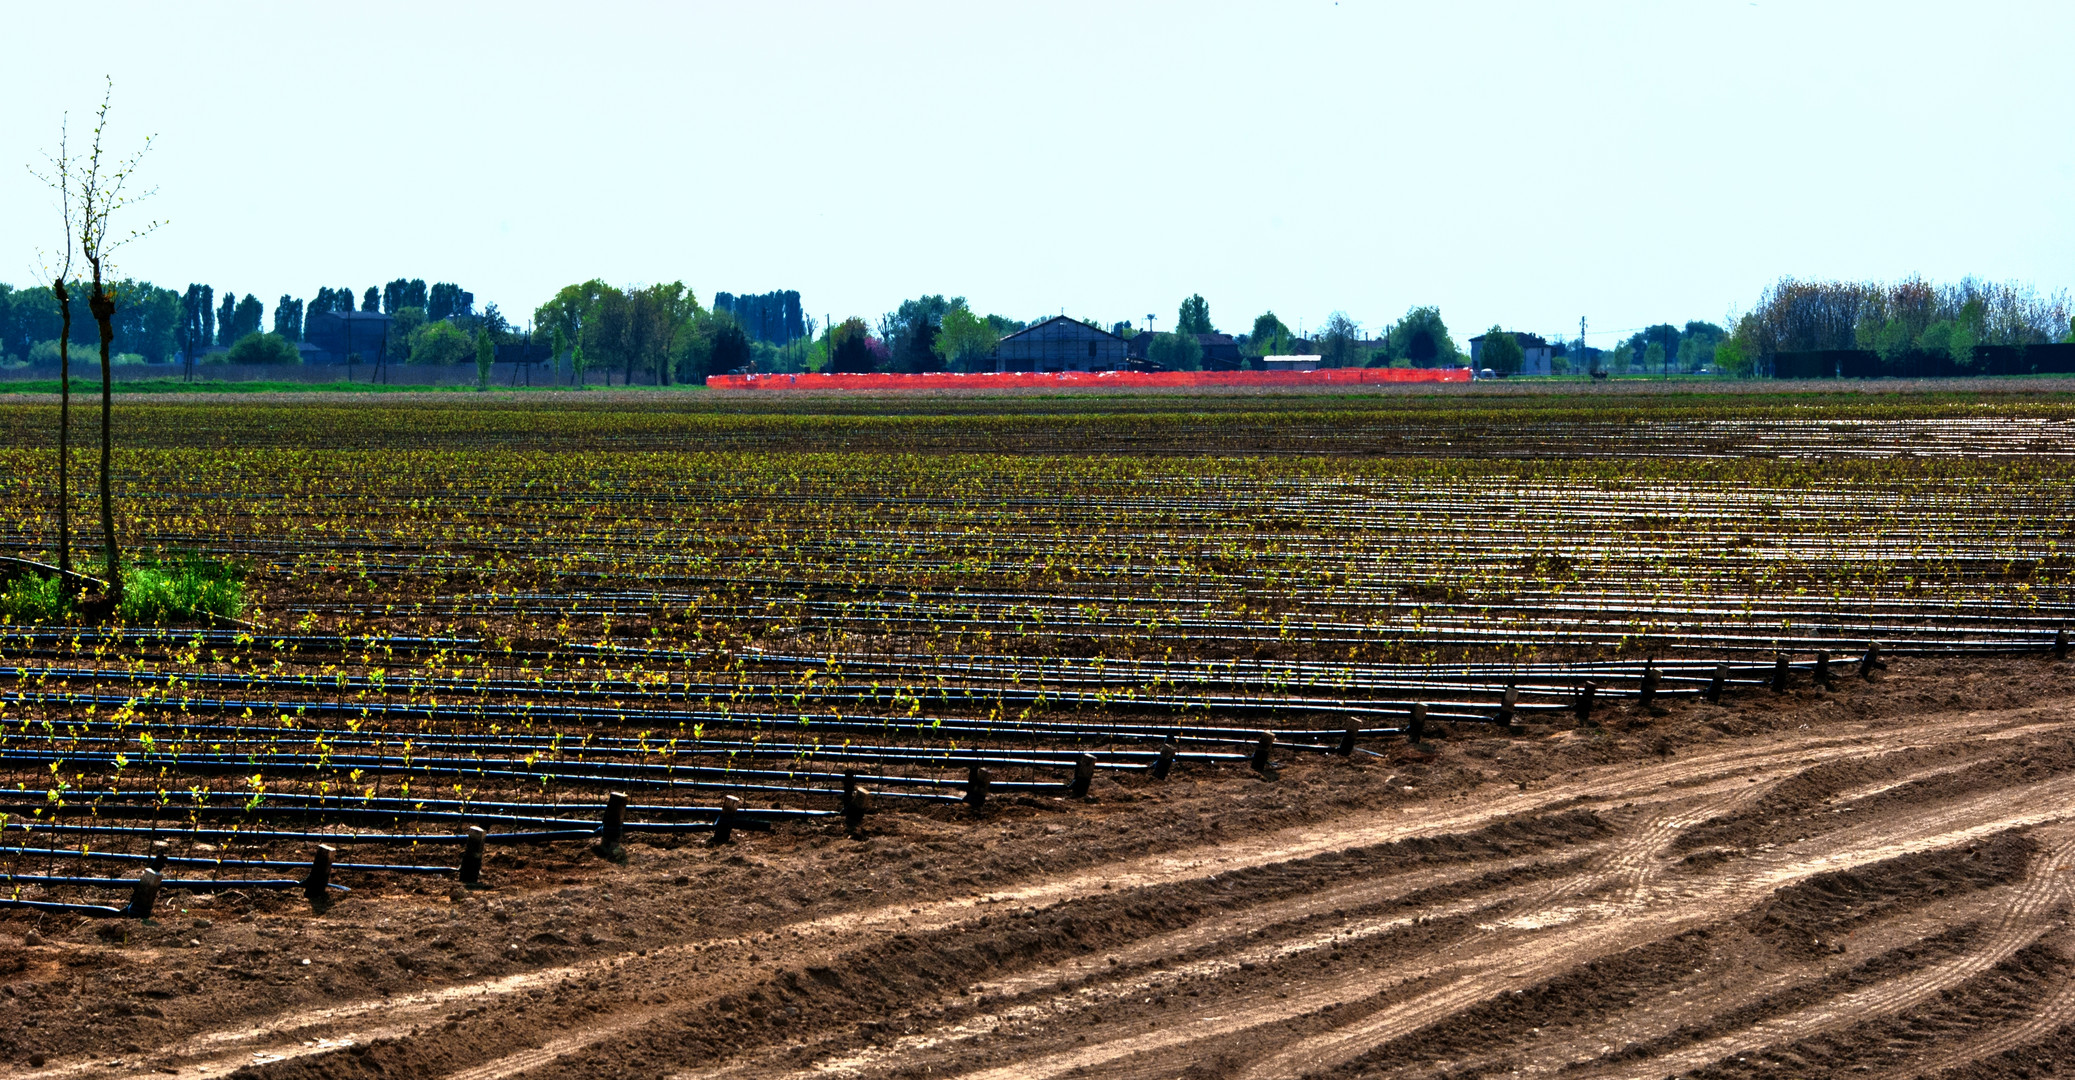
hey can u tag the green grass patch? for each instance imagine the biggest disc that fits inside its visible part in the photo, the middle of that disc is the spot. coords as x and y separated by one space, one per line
180 588
33 598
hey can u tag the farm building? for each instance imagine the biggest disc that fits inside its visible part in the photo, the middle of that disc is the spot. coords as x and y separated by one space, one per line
1535 352
1220 351
1060 344
337 334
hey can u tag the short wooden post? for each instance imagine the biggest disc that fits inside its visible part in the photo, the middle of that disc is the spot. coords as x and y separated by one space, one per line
1586 693
1416 729
1084 775
1716 684
1871 662
1262 747
143 894
160 849
615 823
1509 701
976 782
1823 668
2060 644
854 800
1646 692
1779 673
1164 764
724 825
317 887
472 856
1347 738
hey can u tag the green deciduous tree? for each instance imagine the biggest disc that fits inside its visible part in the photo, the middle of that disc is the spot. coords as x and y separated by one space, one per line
850 346
1731 359
1653 357
1176 352
1194 317
486 355
1269 337
1421 339
440 344
911 330
1501 352
272 349
965 341
1338 342
288 317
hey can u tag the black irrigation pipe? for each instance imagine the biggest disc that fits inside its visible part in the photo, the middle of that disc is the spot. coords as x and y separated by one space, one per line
1001 728
249 836
219 736
75 796
190 884
240 864
91 910
1006 697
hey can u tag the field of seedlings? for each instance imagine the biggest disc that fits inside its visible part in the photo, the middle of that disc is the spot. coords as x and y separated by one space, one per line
1438 733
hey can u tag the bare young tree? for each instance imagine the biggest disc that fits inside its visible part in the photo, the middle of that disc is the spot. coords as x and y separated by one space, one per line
103 191
58 270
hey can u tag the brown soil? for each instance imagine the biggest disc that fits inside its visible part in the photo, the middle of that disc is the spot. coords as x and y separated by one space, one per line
1868 882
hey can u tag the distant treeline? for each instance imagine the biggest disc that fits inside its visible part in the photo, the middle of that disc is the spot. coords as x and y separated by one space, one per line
772 317
1911 315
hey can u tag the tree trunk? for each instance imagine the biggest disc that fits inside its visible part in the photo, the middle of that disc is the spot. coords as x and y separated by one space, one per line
64 436
103 307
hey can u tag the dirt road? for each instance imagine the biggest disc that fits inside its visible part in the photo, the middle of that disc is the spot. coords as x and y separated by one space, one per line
1871 882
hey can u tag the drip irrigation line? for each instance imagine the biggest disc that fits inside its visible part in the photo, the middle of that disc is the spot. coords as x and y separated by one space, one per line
239 864
190 884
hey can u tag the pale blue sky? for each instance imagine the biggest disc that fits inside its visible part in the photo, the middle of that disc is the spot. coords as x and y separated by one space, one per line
1516 163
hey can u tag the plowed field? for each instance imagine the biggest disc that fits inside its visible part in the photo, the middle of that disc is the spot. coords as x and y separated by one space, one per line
1871 881
1225 835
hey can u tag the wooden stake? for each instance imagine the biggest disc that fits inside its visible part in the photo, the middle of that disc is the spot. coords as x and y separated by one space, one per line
317 887
1164 764
1823 668
159 851
1262 746
854 801
1508 701
1084 775
1716 684
472 856
1416 730
143 894
2060 644
615 822
1347 738
1871 662
976 781
1647 692
1586 693
724 826
1779 673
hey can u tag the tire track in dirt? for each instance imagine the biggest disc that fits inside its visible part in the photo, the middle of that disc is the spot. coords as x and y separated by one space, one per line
1654 833
1709 771
2022 920
1505 966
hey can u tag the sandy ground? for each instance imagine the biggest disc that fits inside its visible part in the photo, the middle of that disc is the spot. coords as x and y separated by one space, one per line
1867 882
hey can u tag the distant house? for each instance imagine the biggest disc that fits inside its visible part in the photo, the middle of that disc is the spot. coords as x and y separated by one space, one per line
1061 344
338 334
1535 352
1289 363
1220 351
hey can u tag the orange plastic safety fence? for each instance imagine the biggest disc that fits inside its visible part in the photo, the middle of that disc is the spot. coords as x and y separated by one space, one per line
1120 380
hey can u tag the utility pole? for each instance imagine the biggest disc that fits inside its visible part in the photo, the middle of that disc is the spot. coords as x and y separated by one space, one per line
1581 344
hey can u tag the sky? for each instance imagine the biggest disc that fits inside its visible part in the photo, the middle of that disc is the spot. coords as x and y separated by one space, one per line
1519 164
